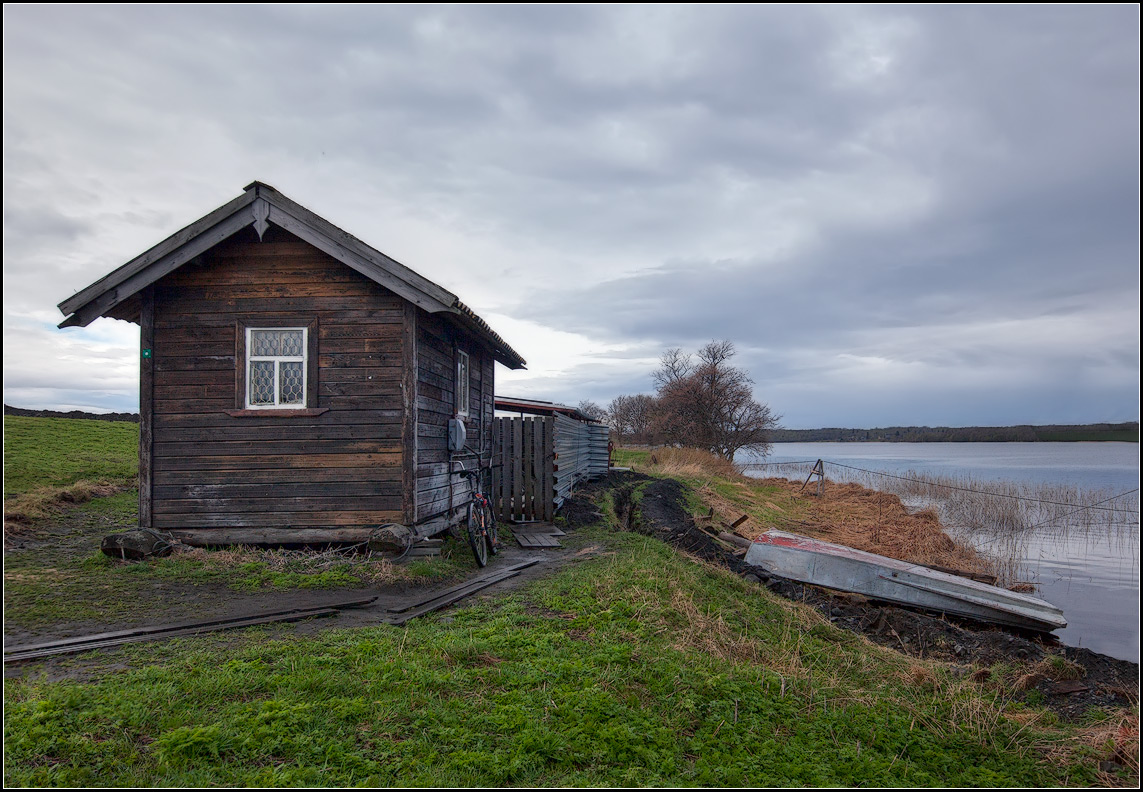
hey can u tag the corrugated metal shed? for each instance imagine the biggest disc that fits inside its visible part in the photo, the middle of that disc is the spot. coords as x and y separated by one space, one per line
581 454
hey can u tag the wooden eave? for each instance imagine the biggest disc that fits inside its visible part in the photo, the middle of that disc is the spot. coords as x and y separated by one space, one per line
114 294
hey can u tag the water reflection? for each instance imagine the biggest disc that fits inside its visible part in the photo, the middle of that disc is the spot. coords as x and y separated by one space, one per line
1095 579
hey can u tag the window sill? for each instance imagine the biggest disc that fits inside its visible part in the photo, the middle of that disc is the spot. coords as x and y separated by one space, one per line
305 413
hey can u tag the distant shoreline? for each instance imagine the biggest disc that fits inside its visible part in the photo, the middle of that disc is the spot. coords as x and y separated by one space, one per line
1058 433
114 416
1053 433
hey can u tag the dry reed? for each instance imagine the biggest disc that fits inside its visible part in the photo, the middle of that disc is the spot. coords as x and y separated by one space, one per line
877 522
23 511
970 504
1116 739
371 568
848 514
692 463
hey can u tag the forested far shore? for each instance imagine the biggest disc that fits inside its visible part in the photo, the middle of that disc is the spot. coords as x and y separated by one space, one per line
112 416
1121 432
1062 433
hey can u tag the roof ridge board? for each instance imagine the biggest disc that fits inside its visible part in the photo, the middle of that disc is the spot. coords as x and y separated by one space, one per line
145 259
355 245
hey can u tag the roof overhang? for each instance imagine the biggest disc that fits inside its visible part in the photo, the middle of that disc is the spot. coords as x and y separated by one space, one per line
259 206
538 407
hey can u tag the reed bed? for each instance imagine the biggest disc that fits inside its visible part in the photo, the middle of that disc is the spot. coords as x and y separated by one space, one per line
876 522
1000 517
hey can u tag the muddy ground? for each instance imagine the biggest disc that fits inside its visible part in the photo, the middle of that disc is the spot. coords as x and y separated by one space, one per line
971 647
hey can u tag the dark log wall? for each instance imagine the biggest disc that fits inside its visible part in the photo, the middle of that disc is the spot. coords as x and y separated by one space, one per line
437 482
340 468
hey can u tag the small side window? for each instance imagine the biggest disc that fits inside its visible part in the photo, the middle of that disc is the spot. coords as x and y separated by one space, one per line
276 367
461 383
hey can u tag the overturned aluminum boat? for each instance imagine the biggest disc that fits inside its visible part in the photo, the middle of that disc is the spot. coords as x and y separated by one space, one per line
846 569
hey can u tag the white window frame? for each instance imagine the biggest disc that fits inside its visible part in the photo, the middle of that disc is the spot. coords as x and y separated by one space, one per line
463 374
279 359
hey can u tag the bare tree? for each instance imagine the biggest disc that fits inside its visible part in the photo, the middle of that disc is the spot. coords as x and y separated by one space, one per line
631 415
640 413
619 416
708 403
594 410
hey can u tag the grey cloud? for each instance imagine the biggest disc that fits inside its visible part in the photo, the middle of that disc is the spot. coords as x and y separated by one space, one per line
810 182
29 225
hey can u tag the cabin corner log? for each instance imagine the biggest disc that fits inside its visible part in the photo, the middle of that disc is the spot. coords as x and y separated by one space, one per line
146 405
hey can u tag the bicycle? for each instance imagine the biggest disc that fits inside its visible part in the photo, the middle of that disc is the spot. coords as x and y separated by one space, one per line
483 537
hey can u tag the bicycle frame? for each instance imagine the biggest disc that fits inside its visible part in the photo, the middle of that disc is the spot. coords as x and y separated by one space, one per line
481 522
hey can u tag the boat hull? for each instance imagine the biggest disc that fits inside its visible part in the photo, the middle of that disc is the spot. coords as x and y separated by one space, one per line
879 577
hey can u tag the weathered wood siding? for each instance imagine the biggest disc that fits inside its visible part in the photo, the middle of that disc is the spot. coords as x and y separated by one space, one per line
341 468
437 483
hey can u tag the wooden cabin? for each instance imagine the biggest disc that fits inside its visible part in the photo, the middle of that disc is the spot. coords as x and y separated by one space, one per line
296 385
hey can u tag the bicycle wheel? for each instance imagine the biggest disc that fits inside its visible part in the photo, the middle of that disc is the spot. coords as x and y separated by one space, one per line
477 534
490 525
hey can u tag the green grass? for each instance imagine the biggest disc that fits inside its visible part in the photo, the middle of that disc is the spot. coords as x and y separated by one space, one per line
636 669
626 457
57 452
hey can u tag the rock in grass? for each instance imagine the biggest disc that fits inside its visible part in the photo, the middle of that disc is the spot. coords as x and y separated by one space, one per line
391 538
135 545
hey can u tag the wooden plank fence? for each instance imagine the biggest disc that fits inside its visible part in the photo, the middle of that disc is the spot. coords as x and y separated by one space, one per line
523 486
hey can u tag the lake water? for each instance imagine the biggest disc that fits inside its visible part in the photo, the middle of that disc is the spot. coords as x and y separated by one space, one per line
1091 573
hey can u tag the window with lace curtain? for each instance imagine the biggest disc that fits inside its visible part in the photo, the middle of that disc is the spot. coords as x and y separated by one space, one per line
276 367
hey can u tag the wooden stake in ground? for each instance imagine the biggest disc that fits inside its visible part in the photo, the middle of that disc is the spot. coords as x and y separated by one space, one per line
819 471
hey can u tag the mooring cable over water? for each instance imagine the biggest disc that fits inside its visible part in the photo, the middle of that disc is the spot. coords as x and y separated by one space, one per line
769 464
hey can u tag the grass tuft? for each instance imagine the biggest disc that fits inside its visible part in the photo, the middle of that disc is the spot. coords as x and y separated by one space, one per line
22 511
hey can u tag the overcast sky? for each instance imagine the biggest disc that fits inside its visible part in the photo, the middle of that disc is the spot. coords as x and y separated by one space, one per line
898 215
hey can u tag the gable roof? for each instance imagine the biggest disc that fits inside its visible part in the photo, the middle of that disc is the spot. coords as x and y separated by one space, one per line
259 206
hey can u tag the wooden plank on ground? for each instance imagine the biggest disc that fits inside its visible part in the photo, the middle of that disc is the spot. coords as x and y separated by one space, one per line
535 540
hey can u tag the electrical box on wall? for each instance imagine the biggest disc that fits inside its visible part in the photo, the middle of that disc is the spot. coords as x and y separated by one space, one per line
456 435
